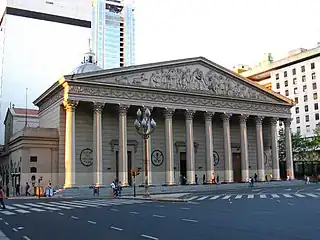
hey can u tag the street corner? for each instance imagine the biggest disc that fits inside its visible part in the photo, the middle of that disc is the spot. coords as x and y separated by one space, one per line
173 200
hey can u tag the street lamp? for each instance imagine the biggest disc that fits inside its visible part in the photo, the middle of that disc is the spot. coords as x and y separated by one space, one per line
145 126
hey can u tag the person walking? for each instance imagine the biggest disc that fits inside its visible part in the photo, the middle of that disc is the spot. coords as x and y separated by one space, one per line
1 198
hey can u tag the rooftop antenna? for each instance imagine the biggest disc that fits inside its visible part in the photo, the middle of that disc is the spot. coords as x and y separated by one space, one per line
26 123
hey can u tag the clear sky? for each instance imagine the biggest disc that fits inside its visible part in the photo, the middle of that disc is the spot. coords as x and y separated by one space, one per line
225 31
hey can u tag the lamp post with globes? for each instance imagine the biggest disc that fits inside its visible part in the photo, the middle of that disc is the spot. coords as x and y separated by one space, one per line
145 126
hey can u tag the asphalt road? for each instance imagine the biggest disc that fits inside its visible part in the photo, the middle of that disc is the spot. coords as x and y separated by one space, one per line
296 218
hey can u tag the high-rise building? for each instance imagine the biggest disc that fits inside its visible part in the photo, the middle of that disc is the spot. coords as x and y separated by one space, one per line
113 33
297 77
39 42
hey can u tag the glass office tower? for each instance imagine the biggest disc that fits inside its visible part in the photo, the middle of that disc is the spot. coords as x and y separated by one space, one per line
113 33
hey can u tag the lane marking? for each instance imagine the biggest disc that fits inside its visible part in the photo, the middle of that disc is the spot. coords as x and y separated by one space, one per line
21 206
60 213
10 208
275 195
227 197
26 238
189 220
68 205
14 229
7 213
20 228
47 208
6 223
113 209
91 222
256 190
238 197
287 195
192 198
116 228
299 195
134 212
215 197
161 205
185 208
311 195
263 196
37 209
22 211
202 198
73 217
52 205
158 216
149 237
250 196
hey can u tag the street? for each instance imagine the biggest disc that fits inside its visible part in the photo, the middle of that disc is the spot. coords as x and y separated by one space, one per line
229 218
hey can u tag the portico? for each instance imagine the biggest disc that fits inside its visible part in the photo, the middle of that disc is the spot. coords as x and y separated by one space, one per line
210 122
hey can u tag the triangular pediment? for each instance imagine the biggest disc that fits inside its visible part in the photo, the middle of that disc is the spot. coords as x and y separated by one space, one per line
197 75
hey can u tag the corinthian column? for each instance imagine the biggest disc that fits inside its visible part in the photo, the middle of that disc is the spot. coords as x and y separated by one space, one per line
244 148
169 146
260 152
274 146
123 155
189 114
97 142
70 147
228 165
209 145
289 160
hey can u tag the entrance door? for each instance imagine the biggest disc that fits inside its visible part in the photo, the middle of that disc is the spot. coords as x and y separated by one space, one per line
236 158
183 168
129 155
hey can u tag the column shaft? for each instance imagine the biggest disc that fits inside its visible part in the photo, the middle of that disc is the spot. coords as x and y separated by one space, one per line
97 141
123 154
169 146
274 147
190 146
70 148
260 149
209 146
244 148
228 164
289 160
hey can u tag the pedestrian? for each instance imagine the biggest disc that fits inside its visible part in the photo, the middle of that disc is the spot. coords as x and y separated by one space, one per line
27 189
255 177
1 198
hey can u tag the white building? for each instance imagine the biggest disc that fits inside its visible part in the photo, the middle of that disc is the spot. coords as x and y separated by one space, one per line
40 41
298 78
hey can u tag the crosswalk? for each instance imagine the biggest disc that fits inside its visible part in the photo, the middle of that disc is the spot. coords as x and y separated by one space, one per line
254 196
30 207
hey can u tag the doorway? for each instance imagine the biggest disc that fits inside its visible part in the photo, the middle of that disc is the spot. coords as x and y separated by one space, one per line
236 159
183 168
129 155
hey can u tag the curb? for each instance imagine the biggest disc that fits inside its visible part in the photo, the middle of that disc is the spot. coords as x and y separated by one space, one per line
157 199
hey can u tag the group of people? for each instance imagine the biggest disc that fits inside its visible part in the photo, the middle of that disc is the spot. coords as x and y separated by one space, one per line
116 188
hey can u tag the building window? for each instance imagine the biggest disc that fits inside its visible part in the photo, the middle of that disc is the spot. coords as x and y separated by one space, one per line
278 85
316 106
294 71
316 116
304 88
314 86
315 96
285 74
33 159
294 81
277 76
297 120
303 69
308 128
297 110
305 98
298 130
287 93
312 66
313 76
286 83
306 108
33 170
303 78
295 90
307 118
296 100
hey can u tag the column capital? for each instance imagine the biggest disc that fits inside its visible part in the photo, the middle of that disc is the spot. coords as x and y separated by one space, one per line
274 121
123 109
259 120
189 114
70 105
226 116
168 112
98 107
287 122
208 115
243 118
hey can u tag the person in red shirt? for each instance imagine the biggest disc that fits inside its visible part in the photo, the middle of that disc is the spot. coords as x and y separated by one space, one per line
1 198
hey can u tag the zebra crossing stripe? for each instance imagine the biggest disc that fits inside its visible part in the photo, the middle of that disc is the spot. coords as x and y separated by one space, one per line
7 213
44 207
299 195
20 206
287 195
203 198
37 209
10 208
312 195
192 198
275 196
263 196
22 211
250 196
65 204
51 205
84 204
227 197
215 197
238 197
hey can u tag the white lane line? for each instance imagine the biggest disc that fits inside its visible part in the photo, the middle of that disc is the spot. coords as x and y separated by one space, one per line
73 217
238 197
22 211
189 220
215 197
52 205
256 190
21 206
113 209
287 195
20 228
10 208
251 196
158 216
227 197
26 238
263 196
134 212
161 205
91 222
185 208
68 205
7 213
47 208
6 223
275 195
116 228
149 237
81 204
311 195
60 213
299 195
15 230
192 198
202 198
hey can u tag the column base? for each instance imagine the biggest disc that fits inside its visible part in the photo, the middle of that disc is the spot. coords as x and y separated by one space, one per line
70 187
169 184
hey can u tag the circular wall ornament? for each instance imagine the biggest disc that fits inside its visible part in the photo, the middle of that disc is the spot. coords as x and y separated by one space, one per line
215 158
86 157
157 158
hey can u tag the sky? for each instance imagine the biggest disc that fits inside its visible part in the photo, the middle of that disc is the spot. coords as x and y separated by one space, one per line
227 32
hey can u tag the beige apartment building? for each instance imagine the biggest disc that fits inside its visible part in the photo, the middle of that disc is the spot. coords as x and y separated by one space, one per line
210 121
